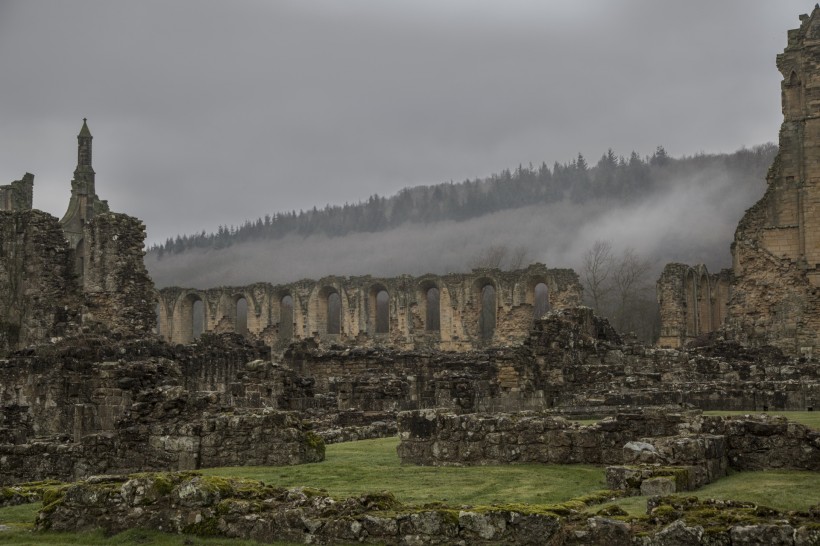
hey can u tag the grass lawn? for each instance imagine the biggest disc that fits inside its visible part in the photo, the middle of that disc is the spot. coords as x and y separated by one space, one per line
372 465
809 418
780 489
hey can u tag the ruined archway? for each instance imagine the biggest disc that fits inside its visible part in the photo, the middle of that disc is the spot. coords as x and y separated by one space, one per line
378 310
286 318
240 315
430 306
486 304
540 300
190 318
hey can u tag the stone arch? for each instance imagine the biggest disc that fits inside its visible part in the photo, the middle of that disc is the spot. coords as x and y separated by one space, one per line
325 317
241 311
538 296
190 317
429 298
485 296
378 309
793 96
287 315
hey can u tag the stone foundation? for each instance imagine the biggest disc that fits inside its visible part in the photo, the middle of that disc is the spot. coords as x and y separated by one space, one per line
209 506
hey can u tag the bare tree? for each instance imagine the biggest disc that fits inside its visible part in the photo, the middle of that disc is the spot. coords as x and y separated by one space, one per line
491 257
617 287
630 283
518 258
597 273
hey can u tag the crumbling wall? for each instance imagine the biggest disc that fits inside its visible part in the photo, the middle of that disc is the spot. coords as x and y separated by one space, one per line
18 195
38 297
652 435
433 437
119 294
194 504
89 406
453 325
773 289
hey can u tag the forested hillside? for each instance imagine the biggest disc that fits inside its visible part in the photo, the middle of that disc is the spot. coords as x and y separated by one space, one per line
616 223
615 178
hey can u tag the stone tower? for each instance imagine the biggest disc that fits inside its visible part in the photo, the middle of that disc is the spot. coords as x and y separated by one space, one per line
772 293
84 203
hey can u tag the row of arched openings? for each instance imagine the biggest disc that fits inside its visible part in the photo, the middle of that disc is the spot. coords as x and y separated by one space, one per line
381 303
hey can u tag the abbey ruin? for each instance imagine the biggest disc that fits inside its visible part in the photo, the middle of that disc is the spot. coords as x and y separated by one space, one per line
771 295
101 373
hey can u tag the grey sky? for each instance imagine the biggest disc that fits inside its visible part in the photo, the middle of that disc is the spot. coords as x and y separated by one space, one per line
207 113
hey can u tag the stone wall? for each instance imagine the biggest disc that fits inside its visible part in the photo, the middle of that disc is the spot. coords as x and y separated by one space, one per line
774 285
119 294
19 195
431 437
693 303
218 507
571 360
284 313
38 298
87 406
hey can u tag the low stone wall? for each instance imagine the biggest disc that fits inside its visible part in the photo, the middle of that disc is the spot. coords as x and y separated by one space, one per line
757 442
232 439
212 506
431 437
670 464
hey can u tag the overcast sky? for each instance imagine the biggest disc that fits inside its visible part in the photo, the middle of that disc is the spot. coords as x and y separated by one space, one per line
207 113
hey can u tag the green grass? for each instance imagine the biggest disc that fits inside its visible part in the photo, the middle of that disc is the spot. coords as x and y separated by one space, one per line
783 490
372 465
809 418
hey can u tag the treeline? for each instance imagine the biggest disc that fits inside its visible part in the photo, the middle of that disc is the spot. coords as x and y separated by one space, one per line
617 178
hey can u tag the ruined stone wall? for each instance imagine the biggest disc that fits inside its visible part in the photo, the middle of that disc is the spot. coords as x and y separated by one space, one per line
571 360
119 294
38 297
410 324
193 504
693 303
774 287
91 406
432 437
18 195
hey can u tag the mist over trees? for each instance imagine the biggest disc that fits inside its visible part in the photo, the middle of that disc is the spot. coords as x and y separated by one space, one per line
615 178
640 212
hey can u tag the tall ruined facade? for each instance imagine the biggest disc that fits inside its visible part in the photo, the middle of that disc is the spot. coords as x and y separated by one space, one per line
772 293
84 273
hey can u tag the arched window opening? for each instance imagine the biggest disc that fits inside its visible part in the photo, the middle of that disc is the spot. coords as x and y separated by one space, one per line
432 321
486 320
198 318
794 96
241 326
286 318
541 300
382 312
334 313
